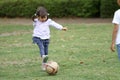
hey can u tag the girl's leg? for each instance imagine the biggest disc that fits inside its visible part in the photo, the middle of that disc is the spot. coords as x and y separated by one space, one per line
42 48
39 42
46 44
42 51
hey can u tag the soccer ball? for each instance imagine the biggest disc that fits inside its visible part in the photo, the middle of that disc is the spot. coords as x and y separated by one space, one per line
52 67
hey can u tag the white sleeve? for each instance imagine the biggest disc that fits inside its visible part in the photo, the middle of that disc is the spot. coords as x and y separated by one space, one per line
116 18
56 25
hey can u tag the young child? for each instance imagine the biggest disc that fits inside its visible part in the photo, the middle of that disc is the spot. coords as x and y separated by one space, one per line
116 31
41 32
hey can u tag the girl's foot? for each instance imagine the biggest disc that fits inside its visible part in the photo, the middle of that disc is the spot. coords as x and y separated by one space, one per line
43 66
45 59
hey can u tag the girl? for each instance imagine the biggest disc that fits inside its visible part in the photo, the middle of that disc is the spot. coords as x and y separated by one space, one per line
116 31
41 32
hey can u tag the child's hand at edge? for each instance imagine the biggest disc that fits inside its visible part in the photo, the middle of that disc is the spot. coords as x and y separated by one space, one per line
64 28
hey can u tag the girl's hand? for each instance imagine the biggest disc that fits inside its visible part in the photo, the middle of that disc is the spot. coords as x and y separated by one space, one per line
64 28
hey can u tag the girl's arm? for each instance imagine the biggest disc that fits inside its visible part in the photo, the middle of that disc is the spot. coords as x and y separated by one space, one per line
58 26
114 34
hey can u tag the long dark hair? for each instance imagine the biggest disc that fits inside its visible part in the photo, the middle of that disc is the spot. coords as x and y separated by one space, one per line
40 12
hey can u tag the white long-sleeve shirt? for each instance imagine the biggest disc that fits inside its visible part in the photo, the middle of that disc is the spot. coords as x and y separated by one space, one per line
116 20
42 30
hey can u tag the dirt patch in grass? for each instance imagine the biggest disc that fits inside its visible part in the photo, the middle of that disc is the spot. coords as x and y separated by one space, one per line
24 21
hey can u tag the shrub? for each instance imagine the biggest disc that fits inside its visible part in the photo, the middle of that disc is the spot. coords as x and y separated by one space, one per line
58 8
108 8
90 8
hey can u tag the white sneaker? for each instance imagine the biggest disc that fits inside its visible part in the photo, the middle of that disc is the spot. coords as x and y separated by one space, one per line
43 66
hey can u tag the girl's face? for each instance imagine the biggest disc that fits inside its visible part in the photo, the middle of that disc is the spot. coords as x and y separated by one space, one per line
42 19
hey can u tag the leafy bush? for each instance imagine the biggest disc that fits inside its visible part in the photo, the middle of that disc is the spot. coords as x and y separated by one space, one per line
108 8
90 8
17 8
58 8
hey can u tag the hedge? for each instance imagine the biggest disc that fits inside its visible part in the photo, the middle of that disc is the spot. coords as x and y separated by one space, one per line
58 8
108 7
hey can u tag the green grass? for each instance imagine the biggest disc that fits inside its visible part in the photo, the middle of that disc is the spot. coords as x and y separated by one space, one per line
82 53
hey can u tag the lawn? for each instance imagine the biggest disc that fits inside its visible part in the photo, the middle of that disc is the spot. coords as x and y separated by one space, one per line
82 53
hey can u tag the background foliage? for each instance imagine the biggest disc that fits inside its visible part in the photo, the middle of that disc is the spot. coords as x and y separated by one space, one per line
108 8
59 8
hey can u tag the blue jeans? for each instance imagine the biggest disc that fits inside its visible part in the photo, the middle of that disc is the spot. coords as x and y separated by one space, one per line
118 50
42 44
